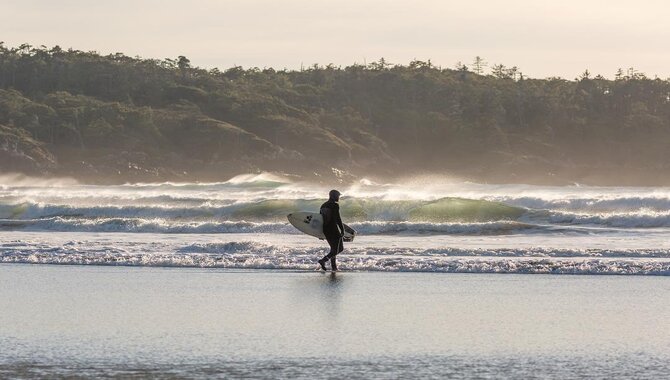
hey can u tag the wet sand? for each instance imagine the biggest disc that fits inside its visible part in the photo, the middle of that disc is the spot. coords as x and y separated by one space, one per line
128 321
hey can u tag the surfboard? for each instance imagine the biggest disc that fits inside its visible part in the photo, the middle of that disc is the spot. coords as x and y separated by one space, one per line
311 223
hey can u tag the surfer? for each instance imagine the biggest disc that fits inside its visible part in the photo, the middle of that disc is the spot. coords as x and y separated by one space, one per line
332 228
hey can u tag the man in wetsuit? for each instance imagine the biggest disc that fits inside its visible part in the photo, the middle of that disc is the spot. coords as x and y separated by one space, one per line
332 228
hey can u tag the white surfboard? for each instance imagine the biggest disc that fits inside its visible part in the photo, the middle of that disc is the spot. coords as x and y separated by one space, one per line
311 223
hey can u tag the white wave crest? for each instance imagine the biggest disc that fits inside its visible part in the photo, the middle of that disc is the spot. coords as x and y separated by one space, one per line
229 256
161 225
593 203
639 219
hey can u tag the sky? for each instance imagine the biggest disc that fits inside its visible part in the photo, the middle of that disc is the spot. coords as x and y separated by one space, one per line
543 38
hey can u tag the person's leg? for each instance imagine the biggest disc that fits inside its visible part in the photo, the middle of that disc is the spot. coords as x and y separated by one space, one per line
322 263
333 243
334 252
333 264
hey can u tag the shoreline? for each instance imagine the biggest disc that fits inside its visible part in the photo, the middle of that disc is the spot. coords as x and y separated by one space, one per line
340 271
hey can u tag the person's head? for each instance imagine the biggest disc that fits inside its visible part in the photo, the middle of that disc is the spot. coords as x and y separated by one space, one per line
334 195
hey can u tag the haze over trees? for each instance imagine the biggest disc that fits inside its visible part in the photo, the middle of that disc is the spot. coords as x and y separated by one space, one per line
119 118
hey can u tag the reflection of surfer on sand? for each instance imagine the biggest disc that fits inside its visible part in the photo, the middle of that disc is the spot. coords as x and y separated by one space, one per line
332 228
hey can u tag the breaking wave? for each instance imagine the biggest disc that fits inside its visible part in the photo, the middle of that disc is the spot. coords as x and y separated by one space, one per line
260 202
62 224
635 219
441 210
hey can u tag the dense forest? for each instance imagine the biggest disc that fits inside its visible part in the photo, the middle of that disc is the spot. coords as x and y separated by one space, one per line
114 118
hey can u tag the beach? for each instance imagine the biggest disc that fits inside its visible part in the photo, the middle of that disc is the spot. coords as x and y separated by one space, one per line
64 320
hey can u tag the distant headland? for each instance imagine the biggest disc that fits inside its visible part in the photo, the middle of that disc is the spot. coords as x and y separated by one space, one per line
115 118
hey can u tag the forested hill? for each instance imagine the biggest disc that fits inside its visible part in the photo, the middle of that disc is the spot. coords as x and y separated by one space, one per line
116 118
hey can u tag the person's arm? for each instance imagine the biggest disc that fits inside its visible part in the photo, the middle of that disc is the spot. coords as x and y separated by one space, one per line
339 220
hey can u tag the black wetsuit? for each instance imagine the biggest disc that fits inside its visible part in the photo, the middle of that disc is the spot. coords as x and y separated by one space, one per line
333 229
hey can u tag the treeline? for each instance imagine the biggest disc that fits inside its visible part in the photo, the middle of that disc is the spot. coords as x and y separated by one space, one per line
118 118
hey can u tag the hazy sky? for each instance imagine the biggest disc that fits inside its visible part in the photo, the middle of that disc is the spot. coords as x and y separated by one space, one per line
543 38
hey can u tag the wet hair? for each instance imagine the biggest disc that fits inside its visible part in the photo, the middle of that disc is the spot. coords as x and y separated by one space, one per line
334 194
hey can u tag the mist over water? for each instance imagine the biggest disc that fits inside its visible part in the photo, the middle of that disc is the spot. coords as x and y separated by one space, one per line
424 223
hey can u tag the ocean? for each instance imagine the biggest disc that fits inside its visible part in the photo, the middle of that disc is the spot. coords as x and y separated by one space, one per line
445 279
425 224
